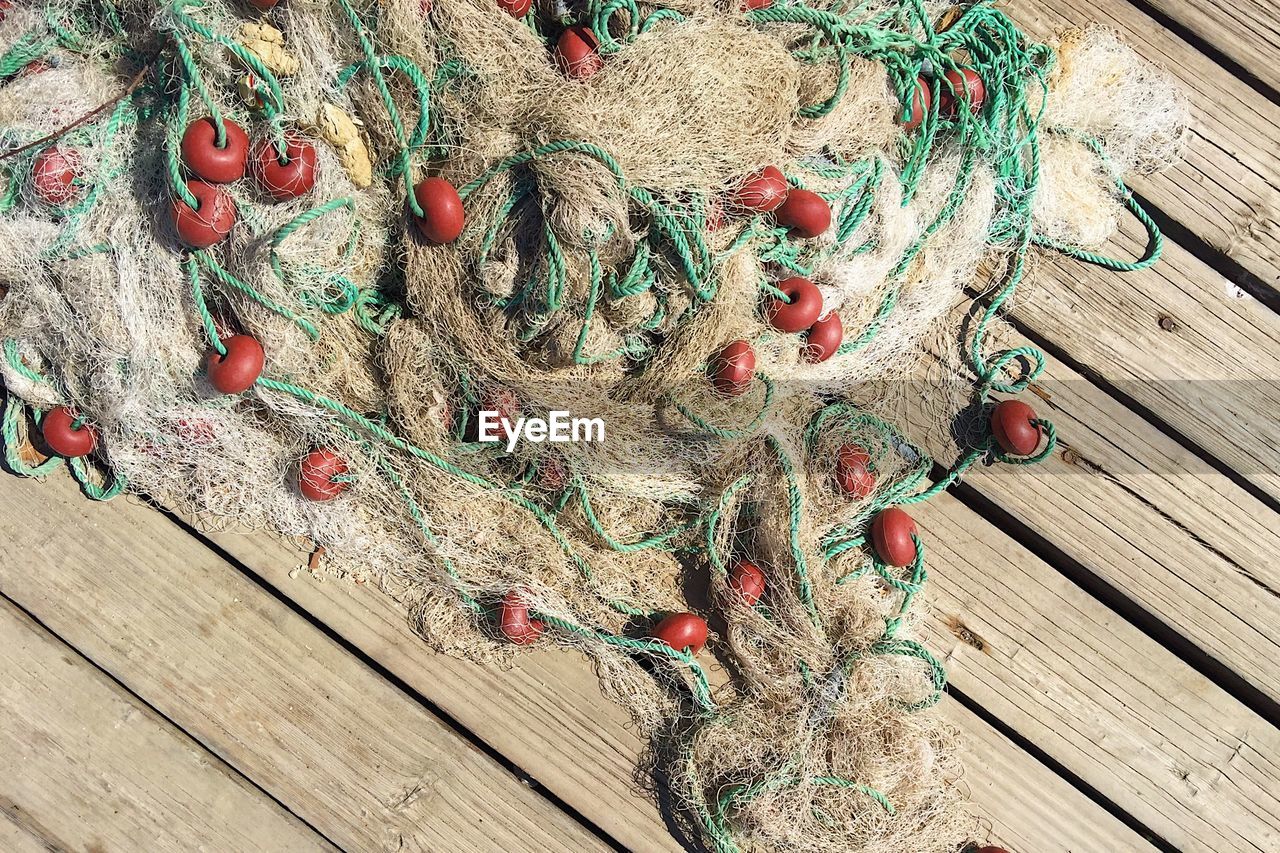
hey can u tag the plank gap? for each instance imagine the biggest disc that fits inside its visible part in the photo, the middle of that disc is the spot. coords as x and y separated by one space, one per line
527 778
1219 673
1217 260
212 757
1060 770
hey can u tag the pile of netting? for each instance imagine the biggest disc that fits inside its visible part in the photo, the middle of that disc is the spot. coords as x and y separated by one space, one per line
278 265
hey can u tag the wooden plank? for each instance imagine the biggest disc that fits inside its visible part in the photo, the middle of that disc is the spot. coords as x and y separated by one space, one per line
1150 518
1081 683
1247 32
258 685
1226 190
1023 806
97 770
548 714
1175 339
15 838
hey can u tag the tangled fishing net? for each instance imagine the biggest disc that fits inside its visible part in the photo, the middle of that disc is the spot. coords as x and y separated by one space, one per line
268 264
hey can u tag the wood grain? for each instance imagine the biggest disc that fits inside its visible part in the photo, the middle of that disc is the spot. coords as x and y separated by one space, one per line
1148 517
97 770
547 714
1226 190
1180 341
1247 32
258 685
1081 683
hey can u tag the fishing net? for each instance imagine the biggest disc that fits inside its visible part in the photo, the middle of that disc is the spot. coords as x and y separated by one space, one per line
272 264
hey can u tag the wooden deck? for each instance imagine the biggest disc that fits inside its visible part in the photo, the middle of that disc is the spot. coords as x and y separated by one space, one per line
1110 620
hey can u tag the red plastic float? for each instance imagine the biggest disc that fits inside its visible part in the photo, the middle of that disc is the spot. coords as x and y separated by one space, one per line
291 178
921 99
803 309
733 368
761 192
552 474
578 53
316 473
506 405
853 471
752 5
1014 427
201 154
236 371
514 621
891 533
53 174
806 213
682 631
515 8
746 579
64 437
824 338
264 5
442 215
966 87
208 223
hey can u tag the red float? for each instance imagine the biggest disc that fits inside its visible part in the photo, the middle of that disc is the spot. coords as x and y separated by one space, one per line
316 473
514 621
761 192
891 533
201 154
1014 427
264 5
992 850
746 579
806 213
824 338
64 437
515 8
208 223
552 474
53 174
442 215
578 53
803 309
853 471
505 405
733 368
966 87
291 178
236 371
752 5
682 631
921 99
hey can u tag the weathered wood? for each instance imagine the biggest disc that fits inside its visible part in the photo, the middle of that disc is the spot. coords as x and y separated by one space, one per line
1244 31
1088 688
257 685
1025 807
1150 518
19 838
1226 190
547 714
1179 340
91 768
